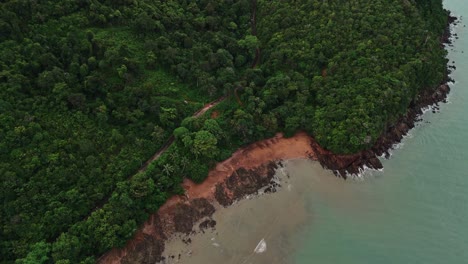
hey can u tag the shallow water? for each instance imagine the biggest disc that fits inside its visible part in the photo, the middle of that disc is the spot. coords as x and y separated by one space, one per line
415 211
268 218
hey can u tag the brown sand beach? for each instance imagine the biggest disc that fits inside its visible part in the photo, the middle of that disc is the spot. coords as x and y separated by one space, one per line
245 172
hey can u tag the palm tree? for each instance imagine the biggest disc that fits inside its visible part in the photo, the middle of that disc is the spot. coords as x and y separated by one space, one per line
184 161
168 169
174 156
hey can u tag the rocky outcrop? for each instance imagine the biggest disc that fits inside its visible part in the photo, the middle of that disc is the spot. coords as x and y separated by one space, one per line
245 182
343 165
148 246
149 250
186 215
181 217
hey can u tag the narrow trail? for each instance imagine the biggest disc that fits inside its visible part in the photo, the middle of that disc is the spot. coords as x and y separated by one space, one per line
116 255
212 104
161 151
170 141
200 112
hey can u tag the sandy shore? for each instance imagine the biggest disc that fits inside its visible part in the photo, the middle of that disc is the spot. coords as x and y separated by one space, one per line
259 229
256 159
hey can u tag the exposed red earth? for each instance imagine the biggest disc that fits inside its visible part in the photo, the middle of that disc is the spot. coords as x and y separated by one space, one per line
247 170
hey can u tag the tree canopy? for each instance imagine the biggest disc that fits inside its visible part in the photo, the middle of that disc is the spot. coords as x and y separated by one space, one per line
90 90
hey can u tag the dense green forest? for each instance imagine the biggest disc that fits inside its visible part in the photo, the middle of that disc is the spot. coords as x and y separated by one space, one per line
91 89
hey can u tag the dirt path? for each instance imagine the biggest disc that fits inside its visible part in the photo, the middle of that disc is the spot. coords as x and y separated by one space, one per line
200 112
162 150
251 157
158 154
209 106
169 142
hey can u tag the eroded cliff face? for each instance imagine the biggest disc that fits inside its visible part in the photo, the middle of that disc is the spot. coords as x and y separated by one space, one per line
148 245
183 215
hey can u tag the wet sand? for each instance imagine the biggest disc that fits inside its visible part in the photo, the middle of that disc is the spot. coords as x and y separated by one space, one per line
279 218
274 218
148 242
246 172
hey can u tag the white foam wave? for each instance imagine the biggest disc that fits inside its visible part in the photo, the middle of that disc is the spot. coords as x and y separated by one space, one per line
261 247
426 109
364 172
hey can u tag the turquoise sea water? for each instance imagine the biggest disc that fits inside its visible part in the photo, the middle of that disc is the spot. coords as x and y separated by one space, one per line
416 210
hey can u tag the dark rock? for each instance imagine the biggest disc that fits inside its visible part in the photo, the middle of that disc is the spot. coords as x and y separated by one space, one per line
185 215
209 223
221 196
245 182
147 251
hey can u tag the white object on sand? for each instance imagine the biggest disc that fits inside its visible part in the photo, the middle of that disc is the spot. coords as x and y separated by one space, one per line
261 247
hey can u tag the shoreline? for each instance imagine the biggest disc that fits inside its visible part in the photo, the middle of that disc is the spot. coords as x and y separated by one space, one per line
252 167
247 171
256 229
